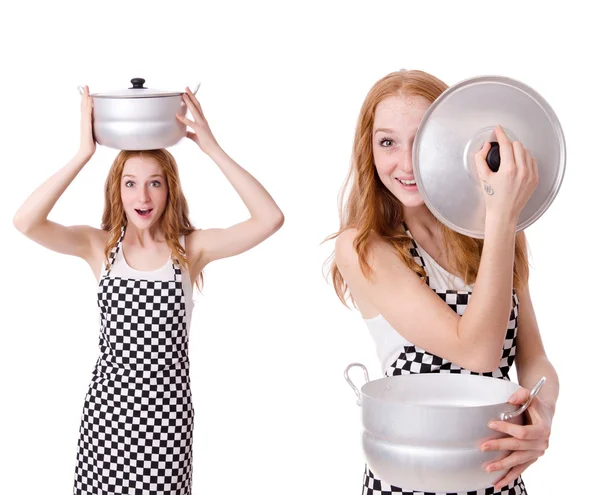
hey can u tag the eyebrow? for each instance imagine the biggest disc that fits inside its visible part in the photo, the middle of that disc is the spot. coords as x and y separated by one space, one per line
155 175
383 129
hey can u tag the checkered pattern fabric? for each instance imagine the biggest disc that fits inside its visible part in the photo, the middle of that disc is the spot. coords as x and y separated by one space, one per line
138 418
413 359
373 486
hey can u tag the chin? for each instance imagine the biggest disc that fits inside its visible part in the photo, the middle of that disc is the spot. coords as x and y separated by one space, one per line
410 200
139 223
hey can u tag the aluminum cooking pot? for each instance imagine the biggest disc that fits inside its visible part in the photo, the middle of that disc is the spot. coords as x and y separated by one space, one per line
138 118
457 125
423 432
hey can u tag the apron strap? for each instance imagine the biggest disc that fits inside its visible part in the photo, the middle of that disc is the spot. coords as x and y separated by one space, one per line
176 266
177 272
414 250
114 251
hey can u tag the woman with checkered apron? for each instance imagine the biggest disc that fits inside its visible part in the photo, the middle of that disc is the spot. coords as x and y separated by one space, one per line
436 301
137 423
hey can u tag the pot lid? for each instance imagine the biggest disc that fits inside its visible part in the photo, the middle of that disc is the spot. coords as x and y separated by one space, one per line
137 90
457 125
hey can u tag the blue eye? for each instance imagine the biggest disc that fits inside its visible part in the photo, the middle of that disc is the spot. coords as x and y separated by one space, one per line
128 182
386 142
155 183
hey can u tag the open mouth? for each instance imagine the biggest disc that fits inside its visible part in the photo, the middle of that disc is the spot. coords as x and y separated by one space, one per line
407 183
144 213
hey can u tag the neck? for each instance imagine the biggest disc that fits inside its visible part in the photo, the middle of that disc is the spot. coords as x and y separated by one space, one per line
419 219
141 237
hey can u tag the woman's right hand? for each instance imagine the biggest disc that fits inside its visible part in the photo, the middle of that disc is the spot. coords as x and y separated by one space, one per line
87 144
508 190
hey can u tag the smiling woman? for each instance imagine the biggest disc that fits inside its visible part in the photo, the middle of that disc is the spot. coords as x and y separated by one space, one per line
413 279
137 423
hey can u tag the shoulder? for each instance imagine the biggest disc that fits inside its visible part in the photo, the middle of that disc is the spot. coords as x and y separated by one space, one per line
346 243
98 235
96 238
345 251
196 243
194 239
377 256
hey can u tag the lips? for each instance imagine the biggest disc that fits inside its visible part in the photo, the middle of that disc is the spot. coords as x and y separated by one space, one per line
145 213
410 183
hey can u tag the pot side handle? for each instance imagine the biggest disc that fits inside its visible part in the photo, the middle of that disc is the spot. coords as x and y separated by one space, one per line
347 377
534 391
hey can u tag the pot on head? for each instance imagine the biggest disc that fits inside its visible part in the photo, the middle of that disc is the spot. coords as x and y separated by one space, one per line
138 118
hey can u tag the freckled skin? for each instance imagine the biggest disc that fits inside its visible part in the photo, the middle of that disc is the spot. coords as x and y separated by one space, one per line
392 148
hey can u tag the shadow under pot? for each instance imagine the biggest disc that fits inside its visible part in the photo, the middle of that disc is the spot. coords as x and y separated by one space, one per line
423 432
138 118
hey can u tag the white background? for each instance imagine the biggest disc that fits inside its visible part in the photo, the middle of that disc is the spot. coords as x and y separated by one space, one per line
282 85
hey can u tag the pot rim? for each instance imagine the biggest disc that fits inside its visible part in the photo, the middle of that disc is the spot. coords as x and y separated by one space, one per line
426 376
133 96
137 91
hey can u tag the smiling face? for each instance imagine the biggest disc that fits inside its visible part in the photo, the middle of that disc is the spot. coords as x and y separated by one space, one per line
394 128
143 191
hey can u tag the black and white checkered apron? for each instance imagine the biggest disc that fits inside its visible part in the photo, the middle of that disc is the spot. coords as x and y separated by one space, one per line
412 359
137 424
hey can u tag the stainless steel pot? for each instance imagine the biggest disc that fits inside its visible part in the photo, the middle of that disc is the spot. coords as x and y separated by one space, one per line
138 118
457 125
423 432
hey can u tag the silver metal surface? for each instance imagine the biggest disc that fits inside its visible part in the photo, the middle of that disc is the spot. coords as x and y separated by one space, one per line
138 123
347 376
534 392
424 431
429 469
457 125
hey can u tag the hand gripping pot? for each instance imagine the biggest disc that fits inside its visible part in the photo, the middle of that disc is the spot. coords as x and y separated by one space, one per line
423 432
138 118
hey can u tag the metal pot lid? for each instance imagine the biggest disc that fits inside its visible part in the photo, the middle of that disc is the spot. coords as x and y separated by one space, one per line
457 125
137 90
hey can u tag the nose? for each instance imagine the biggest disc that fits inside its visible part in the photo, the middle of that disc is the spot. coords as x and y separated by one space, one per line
143 194
406 160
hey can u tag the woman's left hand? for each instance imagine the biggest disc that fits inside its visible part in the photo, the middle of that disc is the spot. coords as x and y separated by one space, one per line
202 134
527 442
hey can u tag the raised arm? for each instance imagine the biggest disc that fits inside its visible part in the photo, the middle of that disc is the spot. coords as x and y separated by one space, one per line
32 217
474 341
265 216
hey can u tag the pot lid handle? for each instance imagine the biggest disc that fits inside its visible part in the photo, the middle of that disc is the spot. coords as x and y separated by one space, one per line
493 157
138 83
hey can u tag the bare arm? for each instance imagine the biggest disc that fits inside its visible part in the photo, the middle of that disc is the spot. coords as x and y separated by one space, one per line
265 216
32 217
474 341
531 360
528 442
420 316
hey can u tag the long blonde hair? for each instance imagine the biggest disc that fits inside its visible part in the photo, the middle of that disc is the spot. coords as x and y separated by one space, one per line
372 208
174 221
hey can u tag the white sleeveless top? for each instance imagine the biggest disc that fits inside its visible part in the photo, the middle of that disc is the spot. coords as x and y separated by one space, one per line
388 342
120 268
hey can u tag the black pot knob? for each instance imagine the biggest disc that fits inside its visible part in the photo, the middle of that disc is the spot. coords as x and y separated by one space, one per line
493 157
138 83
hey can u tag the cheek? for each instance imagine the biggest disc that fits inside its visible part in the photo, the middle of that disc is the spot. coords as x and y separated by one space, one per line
125 195
385 162
159 196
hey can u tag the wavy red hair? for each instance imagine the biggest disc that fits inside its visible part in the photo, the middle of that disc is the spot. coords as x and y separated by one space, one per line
371 207
174 221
